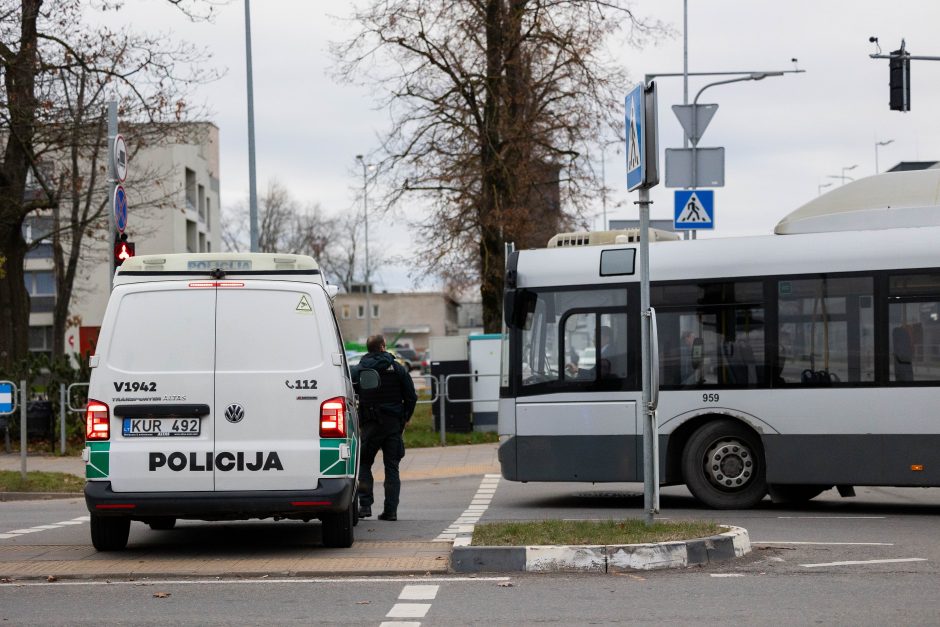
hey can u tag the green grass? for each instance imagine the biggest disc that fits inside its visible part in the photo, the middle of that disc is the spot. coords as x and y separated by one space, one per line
36 481
575 532
420 432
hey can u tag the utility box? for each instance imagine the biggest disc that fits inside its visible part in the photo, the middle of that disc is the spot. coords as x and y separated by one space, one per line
449 355
485 352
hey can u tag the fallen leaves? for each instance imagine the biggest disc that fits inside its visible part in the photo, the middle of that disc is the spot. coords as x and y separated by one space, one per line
52 578
161 595
504 584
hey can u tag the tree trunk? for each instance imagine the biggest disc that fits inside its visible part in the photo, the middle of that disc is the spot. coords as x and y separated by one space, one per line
14 301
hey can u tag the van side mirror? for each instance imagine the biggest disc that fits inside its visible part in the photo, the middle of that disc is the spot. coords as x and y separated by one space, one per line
369 379
332 290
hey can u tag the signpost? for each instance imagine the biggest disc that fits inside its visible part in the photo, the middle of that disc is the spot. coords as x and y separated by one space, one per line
642 174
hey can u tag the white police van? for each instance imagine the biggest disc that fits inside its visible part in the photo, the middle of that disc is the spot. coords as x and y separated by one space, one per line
220 391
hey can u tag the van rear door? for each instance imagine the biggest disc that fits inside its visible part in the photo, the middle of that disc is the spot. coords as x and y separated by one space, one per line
272 373
158 367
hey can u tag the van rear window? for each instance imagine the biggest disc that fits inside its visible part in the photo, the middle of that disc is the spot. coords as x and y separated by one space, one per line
267 330
164 331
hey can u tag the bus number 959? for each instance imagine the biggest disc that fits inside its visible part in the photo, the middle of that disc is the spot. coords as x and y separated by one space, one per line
709 398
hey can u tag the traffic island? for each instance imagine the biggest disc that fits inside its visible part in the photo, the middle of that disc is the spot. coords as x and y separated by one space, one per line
603 558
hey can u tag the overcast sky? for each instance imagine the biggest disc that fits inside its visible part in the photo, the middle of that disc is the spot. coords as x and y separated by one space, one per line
783 136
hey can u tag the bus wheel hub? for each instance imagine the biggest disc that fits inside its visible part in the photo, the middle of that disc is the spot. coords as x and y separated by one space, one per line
729 464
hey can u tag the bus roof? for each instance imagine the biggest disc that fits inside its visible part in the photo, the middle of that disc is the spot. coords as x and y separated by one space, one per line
884 201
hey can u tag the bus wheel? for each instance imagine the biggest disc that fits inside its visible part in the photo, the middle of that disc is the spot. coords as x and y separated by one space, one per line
109 533
723 465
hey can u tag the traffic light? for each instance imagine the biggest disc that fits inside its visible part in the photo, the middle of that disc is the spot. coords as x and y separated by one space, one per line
900 80
123 250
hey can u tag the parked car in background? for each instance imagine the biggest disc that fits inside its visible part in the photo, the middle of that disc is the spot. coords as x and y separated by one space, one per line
407 356
426 363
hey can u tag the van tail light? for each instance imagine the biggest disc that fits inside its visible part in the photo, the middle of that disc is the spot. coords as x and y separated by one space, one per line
333 418
97 421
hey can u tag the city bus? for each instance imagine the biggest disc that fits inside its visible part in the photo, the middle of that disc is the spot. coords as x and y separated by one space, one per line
788 364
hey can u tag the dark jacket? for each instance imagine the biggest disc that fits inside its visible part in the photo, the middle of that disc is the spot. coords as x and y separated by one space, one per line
385 364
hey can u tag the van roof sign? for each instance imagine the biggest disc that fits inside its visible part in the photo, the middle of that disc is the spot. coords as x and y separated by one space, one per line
158 267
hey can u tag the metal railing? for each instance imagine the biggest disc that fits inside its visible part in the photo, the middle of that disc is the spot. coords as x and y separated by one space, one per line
445 396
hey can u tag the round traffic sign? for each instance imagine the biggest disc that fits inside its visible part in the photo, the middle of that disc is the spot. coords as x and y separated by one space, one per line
120 208
120 158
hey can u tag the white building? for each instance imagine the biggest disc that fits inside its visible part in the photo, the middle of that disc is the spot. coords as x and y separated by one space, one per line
173 207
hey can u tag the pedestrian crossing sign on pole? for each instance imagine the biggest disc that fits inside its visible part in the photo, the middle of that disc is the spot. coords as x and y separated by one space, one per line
694 209
634 123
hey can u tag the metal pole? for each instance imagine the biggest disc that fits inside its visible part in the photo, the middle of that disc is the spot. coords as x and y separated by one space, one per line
365 219
62 399
441 387
604 185
650 470
252 183
685 77
112 184
23 430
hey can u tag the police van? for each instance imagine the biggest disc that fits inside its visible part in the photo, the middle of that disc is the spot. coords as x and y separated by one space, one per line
220 391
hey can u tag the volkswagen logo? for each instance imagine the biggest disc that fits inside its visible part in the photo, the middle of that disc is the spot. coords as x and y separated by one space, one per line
234 413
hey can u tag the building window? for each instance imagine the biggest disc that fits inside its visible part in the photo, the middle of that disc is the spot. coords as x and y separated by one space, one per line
375 311
40 339
361 311
201 197
190 190
191 237
40 283
345 312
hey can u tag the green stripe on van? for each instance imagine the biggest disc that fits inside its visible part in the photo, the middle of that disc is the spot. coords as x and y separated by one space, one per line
98 466
330 463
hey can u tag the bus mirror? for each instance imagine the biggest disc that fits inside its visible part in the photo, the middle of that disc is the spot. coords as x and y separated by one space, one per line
517 305
509 302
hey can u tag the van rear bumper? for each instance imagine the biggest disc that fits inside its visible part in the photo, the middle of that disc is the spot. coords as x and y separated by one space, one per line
331 496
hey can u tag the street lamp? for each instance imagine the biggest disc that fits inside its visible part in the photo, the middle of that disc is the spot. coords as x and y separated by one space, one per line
365 220
843 176
884 143
821 187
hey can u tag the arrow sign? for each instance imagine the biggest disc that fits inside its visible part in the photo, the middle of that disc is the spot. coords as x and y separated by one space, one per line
695 209
694 119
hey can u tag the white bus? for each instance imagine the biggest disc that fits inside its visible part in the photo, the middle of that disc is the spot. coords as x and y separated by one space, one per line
788 364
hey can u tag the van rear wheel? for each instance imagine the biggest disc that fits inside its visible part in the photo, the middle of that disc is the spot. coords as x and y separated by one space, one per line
338 528
109 533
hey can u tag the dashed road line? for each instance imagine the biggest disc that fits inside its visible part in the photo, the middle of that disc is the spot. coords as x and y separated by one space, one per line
461 531
409 593
864 562
15 533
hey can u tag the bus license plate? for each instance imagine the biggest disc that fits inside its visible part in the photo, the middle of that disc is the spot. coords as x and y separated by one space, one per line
160 427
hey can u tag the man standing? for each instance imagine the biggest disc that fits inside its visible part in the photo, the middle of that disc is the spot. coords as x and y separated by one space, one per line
384 412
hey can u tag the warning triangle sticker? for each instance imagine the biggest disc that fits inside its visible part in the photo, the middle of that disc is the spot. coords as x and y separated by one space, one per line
304 305
633 148
694 212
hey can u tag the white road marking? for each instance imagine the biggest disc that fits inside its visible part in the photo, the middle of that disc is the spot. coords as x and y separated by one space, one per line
825 543
399 623
863 562
203 582
419 593
832 517
70 522
22 531
4 536
408 610
727 575
47 527
464 525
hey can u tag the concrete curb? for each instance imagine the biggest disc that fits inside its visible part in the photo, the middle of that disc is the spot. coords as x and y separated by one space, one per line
39 496
602 559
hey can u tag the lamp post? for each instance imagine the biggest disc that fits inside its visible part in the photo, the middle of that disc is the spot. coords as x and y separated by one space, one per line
365 221
821 187
252 185
842 177
884 143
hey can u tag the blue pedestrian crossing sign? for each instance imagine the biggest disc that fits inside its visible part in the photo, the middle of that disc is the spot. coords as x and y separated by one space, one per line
694 210
634 114
6 397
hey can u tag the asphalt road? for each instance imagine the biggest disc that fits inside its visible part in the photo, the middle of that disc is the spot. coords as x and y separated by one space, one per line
873 559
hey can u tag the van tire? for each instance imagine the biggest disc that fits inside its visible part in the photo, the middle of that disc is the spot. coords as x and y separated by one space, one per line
109 533
723 465
338 528
163 523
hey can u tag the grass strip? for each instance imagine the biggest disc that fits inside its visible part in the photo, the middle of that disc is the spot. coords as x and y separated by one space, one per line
37 481
583 532
420 431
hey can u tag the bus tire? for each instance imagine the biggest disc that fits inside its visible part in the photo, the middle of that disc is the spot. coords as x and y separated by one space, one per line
109 533
338 528
723 465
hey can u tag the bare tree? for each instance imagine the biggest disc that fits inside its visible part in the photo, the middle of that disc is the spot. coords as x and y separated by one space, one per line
56 72
486 96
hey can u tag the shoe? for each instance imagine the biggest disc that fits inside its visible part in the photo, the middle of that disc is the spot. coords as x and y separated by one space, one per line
388 516
365 511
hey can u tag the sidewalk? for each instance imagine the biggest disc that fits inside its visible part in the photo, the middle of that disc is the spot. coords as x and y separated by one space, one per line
418 463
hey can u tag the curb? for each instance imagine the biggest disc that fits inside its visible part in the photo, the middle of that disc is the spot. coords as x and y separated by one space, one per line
39 496
602 558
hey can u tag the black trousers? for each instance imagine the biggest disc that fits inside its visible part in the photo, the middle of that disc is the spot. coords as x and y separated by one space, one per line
382 436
